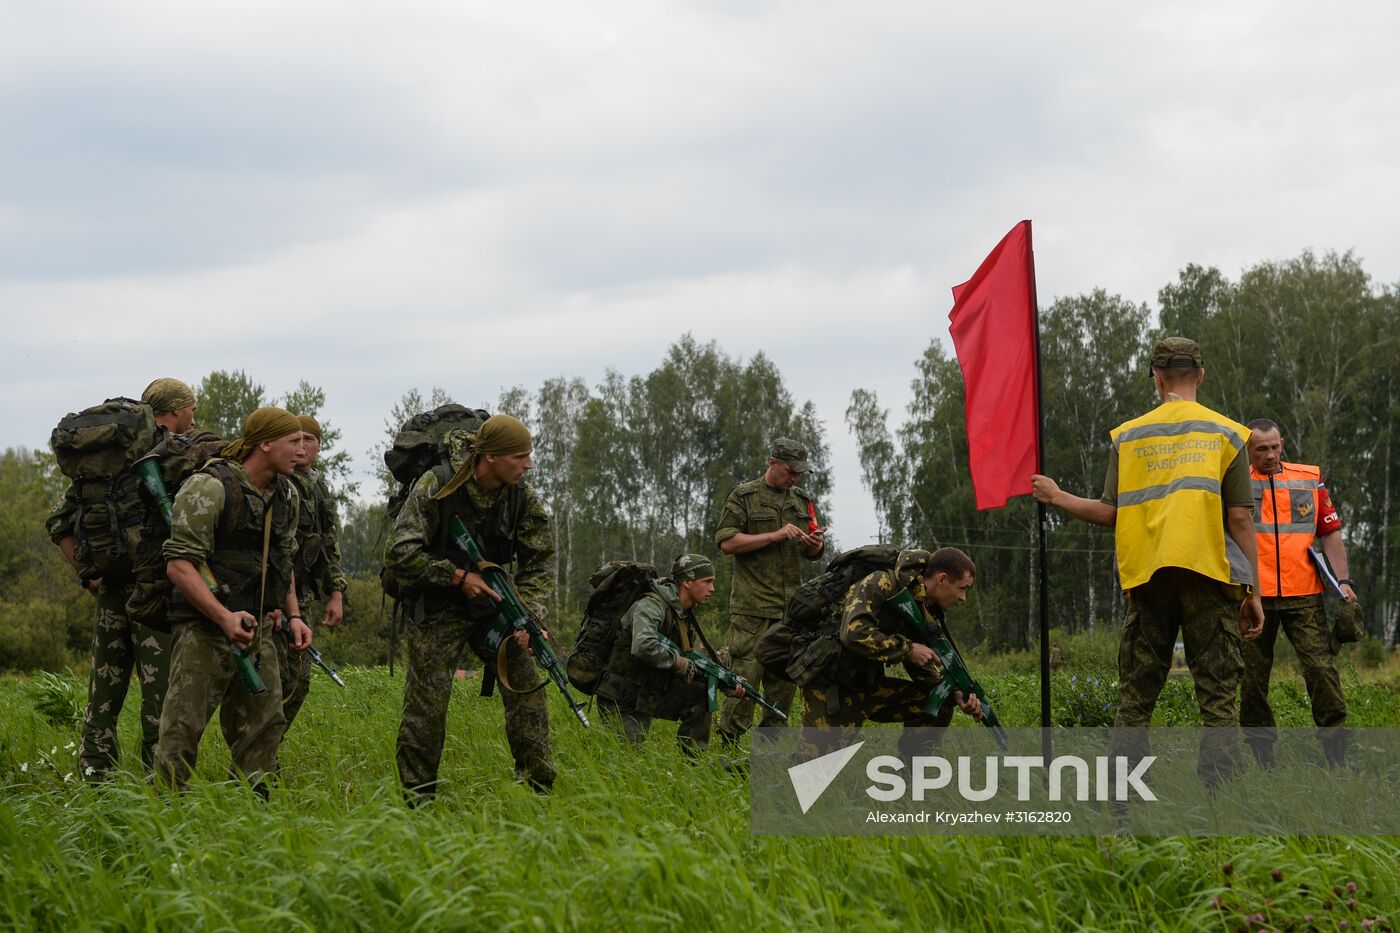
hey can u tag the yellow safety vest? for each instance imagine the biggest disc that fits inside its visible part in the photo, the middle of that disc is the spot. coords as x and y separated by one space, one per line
1171 462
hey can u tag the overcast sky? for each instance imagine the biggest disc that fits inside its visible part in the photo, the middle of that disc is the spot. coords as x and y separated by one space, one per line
374 197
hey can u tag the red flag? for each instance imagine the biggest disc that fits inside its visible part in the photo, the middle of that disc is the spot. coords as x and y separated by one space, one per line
993 323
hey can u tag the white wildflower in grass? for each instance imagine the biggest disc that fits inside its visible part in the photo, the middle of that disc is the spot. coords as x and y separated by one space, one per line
54 750
89 771
24 767
71 745
68 777
175 869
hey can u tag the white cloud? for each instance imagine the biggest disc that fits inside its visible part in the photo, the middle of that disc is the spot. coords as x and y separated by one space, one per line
361 196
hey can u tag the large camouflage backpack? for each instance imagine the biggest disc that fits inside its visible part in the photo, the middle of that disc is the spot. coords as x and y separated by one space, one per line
178 457
95 448
616 586
805 647
418 446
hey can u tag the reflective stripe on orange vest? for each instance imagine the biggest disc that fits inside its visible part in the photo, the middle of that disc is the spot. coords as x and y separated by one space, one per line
1285 524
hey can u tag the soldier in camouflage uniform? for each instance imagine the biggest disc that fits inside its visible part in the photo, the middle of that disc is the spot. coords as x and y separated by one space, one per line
226 517
1177 495
451 608
874 634
765 526
319 578
120 647
1292 510
644 679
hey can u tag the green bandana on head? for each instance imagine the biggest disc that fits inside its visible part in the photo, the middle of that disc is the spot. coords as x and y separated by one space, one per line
309 425
261 427
168 395
692 567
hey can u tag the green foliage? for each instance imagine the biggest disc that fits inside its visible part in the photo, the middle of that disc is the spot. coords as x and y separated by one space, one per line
45 619
224 400
59 699
1307 342
636 839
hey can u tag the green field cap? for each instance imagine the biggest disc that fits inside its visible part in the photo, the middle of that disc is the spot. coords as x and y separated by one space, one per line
792 453
1176 353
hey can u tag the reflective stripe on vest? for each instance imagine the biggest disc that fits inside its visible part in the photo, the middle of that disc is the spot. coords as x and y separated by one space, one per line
1285 524
1171 462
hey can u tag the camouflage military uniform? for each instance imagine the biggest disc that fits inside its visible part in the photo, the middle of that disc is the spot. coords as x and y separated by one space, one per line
640 684
208 528
318 574
512 528
874 634
763 581
1304 621
119 647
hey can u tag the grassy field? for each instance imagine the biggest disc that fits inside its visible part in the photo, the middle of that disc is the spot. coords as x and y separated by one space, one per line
629 840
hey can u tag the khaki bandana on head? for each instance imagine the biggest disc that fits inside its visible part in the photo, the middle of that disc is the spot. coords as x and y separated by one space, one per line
261 427
498 436
309 425
168 395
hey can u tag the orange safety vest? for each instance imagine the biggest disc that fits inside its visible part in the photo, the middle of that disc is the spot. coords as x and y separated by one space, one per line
1285 524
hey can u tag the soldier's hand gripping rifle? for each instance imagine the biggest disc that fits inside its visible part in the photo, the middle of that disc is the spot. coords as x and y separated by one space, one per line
718 677
148 469
953 673
513 615
312 652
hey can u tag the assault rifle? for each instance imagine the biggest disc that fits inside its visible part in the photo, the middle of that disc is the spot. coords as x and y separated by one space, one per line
148 469
318 659
312 652
953 671
717 675
514 618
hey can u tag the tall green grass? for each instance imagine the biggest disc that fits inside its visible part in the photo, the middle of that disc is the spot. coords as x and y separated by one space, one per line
636 839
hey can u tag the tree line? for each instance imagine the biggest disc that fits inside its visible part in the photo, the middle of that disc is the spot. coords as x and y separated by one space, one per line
637 467
1308 342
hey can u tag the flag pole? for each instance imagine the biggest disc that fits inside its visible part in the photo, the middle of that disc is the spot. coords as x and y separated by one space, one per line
1041 520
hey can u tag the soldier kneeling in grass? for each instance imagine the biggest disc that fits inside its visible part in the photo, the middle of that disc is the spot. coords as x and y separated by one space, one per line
646 677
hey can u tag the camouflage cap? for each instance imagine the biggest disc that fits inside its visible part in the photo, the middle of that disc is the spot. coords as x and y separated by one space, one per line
792 453
692 567
1176 353
1347 628
168 394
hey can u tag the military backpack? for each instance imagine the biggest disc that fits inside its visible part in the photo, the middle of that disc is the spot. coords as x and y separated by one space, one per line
95 448
419 447
176 459
805 647
617 585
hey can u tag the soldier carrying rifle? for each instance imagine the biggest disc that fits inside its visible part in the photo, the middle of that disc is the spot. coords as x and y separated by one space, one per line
453 607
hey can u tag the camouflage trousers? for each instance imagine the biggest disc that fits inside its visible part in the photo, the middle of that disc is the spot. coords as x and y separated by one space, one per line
1206 613
736 714
1304 621
295 666
684 704
119 647
846 708
204 678
434 647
